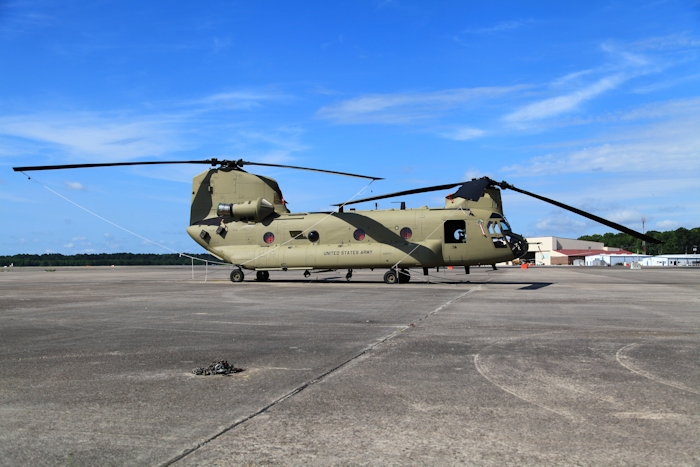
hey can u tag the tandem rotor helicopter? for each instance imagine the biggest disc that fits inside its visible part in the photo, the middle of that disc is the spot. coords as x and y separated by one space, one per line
242 219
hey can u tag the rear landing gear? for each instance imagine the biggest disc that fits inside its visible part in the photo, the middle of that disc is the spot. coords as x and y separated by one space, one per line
392 276
237 275
348 275
262 276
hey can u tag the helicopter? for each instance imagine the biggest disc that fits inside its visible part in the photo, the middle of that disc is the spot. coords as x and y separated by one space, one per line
242 219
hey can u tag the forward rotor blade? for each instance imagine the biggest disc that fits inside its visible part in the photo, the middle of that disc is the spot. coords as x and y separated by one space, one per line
241 163
402 193
224 163
108 164
585 214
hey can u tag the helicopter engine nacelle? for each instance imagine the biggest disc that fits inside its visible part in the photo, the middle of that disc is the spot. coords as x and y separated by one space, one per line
256 210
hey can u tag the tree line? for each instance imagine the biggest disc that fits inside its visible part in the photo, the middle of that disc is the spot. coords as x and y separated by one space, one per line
102 259
679 241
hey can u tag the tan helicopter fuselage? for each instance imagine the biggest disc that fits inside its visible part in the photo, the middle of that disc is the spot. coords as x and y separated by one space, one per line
241 218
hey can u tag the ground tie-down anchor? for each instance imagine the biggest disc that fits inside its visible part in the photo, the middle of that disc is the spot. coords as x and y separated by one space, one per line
220 367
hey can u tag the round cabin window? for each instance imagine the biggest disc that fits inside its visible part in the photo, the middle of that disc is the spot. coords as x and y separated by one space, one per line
314 236
269 237
406 233
359 235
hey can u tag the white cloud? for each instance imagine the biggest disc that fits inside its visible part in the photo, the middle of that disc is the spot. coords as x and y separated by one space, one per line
667 225
243 100
559 223
75 186
626 63
662 110
670 42
500 27
663 148
404 108
473 173
97 137
624 216
463 134
561 104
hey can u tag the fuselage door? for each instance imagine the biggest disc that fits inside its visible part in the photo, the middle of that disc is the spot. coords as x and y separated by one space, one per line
455 241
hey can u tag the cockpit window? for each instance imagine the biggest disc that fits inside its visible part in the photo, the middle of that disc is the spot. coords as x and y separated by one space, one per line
499 242
494 228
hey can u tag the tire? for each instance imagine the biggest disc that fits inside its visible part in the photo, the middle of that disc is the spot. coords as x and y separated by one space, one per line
262 276
404 276
237 275
390 277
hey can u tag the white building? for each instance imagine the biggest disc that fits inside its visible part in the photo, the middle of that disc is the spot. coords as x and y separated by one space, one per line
615 259
557 250
672 260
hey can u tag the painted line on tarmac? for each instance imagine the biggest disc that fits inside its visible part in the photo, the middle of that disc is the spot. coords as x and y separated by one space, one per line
625 361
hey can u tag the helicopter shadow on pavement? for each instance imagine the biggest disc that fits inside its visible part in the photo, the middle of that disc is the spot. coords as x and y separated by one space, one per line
340 279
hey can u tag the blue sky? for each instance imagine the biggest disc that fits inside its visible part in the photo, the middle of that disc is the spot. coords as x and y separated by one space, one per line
595 104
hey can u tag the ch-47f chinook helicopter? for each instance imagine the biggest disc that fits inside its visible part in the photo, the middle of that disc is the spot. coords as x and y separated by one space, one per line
242 219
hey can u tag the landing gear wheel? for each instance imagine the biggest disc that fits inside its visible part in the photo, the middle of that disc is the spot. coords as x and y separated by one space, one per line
404 276
390 277
262 276
307 273
237 275
348 275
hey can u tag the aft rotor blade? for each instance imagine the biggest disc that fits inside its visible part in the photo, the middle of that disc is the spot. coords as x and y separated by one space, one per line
585 214
402 193
108 164
474 189
241 163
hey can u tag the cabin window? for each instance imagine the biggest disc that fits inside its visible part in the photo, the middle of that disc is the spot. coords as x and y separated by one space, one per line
406 233
359 235
455 231
269 237
314 236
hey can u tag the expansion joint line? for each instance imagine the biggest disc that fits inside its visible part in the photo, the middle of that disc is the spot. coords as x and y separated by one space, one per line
317 379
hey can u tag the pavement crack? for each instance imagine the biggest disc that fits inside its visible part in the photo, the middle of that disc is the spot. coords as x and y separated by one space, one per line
319 378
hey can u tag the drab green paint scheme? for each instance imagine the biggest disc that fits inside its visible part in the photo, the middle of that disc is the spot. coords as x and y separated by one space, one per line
258 208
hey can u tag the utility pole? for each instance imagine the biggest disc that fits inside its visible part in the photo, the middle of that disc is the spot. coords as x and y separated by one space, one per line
644 243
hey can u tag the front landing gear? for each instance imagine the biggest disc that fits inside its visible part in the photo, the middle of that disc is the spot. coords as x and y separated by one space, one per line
237 275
